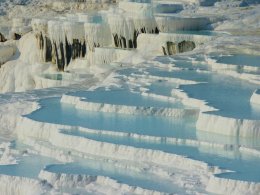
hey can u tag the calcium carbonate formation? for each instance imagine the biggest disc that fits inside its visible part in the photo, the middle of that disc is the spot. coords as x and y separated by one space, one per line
119 114
63 39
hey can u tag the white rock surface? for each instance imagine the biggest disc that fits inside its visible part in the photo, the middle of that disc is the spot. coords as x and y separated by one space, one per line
255 98
133 110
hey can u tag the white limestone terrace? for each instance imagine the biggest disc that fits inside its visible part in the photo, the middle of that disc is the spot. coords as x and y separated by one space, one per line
49 128
170 43
241 19
128 109
255 98
108 58
30 74
109 55
241 124
6 52
23 136
117 27
88 134
106 130
117 151
78 40
20 27
12 25
168 23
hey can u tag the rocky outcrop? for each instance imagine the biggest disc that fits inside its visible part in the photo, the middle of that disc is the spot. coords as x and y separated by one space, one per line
171 48
61 53
181 47
16 36
185 46
62 40
122 42
2 38
20 27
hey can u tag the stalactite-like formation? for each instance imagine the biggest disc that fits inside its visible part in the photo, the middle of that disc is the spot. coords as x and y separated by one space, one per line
62 40
97 35
122 42
61 53
59 43
126 28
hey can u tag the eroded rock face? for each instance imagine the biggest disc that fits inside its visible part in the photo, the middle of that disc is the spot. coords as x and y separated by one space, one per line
45 45
2 38
164 51
75 50
185 46
122 42
171 48
174 48
16 36
61 53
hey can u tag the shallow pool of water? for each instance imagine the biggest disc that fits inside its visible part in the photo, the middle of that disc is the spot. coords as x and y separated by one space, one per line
230 96
123 97
57 77
241 59
122 175
53 111
29 165
246 167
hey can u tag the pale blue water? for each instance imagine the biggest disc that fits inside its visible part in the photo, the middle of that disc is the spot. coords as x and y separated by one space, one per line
199 32
246 168
127 72
122 175
182 62
123 97
97 19
241 59
28 166
54 112
31 165
161 88
230 95
139 1
167 8
53 76
181 74
65 76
